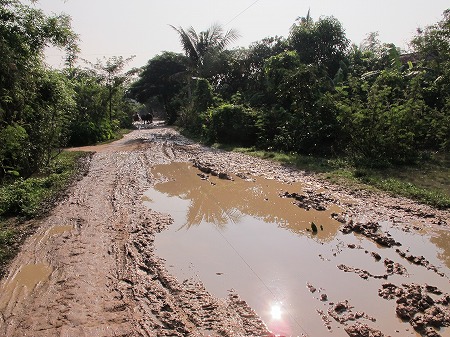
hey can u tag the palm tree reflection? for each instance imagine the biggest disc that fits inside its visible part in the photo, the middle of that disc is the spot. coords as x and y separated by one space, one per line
220 202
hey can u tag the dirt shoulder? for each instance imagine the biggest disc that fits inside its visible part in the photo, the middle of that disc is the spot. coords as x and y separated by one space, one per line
90 269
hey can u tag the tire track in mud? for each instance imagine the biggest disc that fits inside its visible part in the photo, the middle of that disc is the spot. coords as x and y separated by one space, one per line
166 306
105 278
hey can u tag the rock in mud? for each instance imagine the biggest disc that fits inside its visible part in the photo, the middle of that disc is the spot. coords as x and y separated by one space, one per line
391 268
325 319
394 267
208 168
389 291
339 217
311 288
371 231
376 256
204 167
309 200
225 176
342 313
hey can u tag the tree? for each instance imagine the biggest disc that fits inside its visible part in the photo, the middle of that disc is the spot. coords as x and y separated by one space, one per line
162 78
35 102
433 44
432 51
101 106
200 48
90 122
110 72
244 70
300 93
323 43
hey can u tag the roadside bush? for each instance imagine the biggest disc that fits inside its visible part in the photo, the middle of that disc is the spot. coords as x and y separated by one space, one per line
87 132
13 157
23 197
8 237
203 95
388 121
271 124
83 133
230 123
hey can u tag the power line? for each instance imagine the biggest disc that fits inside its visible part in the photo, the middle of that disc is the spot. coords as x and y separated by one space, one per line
249 266
254 3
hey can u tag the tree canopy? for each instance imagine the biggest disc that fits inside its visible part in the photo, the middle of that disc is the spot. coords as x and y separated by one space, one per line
201 48
43 109
313 92
310 92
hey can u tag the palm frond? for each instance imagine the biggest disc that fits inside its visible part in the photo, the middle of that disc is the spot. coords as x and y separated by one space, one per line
188 40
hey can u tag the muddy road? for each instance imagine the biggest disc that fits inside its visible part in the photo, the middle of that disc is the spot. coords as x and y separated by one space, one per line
92 268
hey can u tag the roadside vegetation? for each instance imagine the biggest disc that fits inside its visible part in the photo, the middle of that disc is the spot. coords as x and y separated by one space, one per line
427 182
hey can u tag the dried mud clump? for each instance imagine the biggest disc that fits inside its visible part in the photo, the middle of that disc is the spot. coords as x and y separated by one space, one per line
309 200
364 274
417 305
311 288
391 269
394 268
211 169
362 330
371 231
342 313
325 319
420 261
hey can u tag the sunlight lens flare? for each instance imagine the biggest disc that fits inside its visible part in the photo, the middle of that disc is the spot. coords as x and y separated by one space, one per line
275 312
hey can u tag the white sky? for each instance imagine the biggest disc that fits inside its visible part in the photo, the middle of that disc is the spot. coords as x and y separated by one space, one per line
141 27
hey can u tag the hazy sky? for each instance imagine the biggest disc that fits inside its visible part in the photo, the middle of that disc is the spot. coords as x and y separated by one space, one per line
141 27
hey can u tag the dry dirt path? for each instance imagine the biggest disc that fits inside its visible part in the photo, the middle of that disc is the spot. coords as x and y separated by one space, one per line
90 269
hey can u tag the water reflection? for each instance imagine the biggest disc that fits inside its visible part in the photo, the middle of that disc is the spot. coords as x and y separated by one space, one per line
442 240
220 202
241 235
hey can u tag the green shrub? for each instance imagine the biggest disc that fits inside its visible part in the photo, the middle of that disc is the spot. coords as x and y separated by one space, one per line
87 132
23 197
230 123
13 156
8 237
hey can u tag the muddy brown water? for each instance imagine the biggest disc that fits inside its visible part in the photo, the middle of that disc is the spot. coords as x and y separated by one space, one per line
29 276
242 236
23 283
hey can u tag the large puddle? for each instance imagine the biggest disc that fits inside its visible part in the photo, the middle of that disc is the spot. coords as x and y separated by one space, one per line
241 235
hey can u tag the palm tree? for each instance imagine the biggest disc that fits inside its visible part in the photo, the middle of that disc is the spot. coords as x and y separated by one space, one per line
198 47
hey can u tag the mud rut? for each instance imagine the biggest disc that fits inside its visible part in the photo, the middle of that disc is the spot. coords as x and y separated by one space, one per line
98 274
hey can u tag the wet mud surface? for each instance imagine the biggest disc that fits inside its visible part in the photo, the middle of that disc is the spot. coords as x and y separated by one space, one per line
92 268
